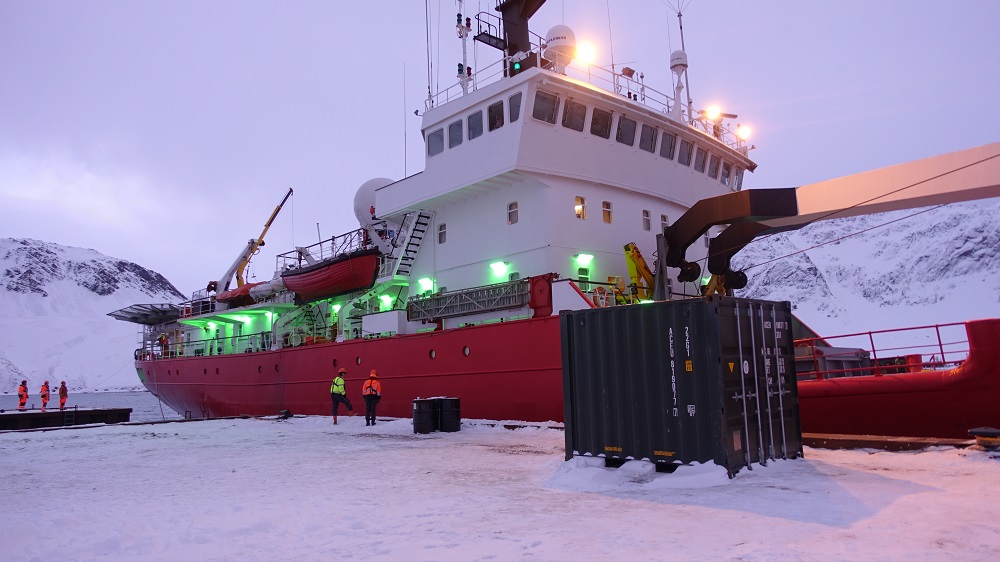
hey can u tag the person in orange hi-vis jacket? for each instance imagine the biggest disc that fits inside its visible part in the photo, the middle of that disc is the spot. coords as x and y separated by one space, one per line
22 395
44 394
372 393
63 395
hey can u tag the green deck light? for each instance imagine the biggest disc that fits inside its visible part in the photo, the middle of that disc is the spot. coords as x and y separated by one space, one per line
211 325
386 301
426 284
336 308
499 268
584 259
269 314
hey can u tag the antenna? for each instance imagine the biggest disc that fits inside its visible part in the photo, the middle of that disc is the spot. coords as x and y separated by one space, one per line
687 75
430 64
611 37
404 119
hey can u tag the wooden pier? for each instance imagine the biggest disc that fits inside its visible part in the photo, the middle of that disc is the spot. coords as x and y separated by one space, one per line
35 419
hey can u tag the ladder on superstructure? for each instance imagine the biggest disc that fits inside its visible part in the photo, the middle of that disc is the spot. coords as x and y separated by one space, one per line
413 231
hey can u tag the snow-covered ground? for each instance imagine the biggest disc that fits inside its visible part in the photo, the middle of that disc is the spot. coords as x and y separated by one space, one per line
304 489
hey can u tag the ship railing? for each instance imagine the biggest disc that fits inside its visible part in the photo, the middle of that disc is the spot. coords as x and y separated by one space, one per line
882 352
514 294
234 345
619 80
330 248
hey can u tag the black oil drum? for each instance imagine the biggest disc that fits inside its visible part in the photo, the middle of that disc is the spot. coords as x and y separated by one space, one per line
424 415
451 416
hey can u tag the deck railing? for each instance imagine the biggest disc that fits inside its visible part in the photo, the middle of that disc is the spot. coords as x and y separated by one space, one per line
882 352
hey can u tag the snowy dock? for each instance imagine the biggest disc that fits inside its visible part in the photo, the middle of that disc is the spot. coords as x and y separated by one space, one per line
35 419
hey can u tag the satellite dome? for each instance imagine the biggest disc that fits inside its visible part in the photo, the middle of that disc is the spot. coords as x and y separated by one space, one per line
364 199
678 61
560 46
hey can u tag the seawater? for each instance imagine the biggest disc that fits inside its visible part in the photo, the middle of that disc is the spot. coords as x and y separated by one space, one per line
145 406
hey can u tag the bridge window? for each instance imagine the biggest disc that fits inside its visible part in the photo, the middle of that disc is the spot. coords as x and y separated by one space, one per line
713 166
580 207
646 220
514 276
600 123
727 169
442 233
455 134
475 125
574 115
435 142
664 223
699 160
626 131
647 138
512 212
668 145
606 211
515 107
495 114
684 155
546 107
583 275
738 184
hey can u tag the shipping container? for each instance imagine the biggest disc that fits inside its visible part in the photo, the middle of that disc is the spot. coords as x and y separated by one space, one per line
681 382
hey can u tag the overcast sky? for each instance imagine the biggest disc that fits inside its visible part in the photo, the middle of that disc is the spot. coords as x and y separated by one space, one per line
166 132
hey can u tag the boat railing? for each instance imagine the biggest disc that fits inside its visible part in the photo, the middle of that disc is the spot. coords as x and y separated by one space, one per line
620 80
882 352
330 248
235 345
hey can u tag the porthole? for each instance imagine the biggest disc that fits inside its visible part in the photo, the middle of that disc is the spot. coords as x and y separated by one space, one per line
217 370
168 371
357 359
275 367
334 361
432 354
260 368
204 371
465 351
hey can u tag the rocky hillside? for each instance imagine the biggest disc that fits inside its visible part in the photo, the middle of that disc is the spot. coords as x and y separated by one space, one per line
889 270
54 323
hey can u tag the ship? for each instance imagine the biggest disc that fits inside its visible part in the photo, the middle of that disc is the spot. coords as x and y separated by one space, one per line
545 184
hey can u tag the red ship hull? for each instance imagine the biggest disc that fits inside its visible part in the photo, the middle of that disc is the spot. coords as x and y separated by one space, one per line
924 404
336 276
513 371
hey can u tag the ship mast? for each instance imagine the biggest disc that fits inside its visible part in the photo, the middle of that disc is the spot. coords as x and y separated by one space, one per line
464 29
687 79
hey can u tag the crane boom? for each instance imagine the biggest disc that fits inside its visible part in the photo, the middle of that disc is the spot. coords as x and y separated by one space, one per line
964 175
243 258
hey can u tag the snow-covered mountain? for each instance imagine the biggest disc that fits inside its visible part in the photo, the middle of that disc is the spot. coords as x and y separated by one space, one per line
53 319
898 269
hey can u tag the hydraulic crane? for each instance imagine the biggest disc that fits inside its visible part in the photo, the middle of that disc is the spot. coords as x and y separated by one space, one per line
243 258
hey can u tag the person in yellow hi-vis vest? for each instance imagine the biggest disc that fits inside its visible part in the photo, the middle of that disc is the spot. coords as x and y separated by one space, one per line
338 394
372 392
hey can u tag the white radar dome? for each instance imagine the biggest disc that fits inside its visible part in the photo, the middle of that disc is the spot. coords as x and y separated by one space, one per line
678 62
560 46
364 199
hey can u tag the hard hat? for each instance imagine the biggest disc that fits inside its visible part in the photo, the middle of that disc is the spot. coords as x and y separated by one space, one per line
46 382
342 370
63 382
374 374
